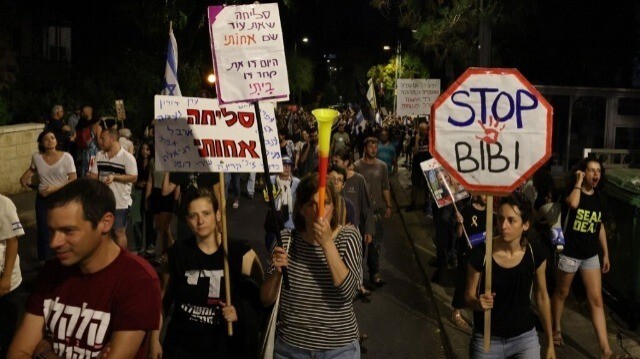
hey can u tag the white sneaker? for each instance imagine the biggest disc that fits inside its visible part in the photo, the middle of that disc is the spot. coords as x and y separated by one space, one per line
236 204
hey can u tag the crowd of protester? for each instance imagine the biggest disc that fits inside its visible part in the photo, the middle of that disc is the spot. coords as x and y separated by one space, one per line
96 179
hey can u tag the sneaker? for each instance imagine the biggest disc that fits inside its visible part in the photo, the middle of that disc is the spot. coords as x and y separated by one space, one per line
250 195
151 249
376 279
236 204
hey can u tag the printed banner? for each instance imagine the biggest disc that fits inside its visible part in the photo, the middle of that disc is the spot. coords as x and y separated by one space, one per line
415 96
431 169
198 135
248 53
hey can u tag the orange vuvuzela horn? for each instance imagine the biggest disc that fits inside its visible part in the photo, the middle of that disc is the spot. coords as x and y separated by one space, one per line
325 118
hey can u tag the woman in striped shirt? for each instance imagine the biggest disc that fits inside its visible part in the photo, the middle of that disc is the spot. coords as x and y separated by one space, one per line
316 315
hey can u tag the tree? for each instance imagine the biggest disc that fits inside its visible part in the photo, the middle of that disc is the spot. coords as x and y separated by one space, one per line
384 76
300 70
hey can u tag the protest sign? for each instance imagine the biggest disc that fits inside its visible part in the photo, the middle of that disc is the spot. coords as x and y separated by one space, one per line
491 130
121 115
415 96
431 170
248 53
197 135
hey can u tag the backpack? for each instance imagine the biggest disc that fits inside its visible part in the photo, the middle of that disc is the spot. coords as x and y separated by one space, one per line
84 138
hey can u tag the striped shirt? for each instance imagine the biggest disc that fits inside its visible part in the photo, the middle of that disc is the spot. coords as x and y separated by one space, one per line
315 314
123 163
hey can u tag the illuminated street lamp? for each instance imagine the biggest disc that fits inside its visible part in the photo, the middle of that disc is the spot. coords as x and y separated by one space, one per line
398 67
211 79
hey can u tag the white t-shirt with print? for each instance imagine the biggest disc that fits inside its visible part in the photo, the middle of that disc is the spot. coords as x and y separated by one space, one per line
10 227
122 163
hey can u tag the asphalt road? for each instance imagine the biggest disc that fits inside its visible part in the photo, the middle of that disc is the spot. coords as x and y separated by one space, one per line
399 318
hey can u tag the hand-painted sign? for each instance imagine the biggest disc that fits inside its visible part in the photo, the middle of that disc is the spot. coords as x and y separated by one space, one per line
197 135
491 130
248 53
415 96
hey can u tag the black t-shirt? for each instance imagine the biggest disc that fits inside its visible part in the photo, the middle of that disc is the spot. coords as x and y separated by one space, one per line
511 314
583 227
475 221
197 288
420 156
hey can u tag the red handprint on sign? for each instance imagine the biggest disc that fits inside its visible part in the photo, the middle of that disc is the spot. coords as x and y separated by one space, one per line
491 132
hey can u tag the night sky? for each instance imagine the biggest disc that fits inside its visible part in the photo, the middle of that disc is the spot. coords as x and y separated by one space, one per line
570 43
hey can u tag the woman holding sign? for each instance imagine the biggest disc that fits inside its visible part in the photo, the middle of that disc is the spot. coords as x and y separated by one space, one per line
517 265
198 326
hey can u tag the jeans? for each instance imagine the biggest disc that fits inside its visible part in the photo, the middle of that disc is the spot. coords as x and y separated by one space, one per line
524 346
235 177
251 184
283 350
373 249
44 252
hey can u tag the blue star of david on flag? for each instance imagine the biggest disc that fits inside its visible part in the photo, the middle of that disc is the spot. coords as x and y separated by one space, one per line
171 86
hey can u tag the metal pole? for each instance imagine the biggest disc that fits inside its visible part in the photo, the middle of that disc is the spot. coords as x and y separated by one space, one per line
395 85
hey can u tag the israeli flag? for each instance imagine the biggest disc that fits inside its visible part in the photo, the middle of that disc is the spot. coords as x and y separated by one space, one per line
171 86
360 122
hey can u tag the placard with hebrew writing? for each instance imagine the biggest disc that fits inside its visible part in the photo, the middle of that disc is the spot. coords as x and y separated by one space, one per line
415 96
248 53
198 135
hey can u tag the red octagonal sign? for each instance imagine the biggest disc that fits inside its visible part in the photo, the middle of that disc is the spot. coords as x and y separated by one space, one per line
491 130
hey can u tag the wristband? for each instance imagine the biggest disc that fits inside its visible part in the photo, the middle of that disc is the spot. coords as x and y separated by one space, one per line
576 187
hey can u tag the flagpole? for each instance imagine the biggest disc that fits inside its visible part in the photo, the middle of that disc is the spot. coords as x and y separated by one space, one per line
225 247
267 182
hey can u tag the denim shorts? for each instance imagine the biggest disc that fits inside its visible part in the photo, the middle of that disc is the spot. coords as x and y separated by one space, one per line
523 346
571 265
284 350
121 218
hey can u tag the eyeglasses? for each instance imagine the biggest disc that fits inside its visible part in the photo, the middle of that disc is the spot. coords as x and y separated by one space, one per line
336 180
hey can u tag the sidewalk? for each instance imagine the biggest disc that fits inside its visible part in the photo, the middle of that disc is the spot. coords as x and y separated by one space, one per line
578 332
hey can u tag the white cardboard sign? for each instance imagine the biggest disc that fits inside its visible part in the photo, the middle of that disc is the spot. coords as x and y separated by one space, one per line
198 135
415 96
248 53
491 130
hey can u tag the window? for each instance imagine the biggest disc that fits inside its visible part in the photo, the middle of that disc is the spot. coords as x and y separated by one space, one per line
56 43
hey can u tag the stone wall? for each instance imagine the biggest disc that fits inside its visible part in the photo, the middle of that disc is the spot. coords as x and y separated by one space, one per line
17 144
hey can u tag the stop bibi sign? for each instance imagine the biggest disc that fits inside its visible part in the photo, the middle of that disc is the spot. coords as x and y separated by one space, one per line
491 130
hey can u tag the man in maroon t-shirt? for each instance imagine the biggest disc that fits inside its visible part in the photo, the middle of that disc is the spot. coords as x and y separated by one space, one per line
94 297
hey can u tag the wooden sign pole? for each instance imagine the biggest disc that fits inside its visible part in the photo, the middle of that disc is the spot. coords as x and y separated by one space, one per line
225 246
488 261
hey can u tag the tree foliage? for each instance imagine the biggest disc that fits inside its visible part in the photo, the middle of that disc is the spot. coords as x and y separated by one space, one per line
446 29
384 75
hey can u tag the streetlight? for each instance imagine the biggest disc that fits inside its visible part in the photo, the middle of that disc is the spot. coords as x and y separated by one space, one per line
398 66
211 79
304 40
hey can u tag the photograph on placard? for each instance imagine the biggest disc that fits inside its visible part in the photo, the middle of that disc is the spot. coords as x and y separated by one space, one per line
435 174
